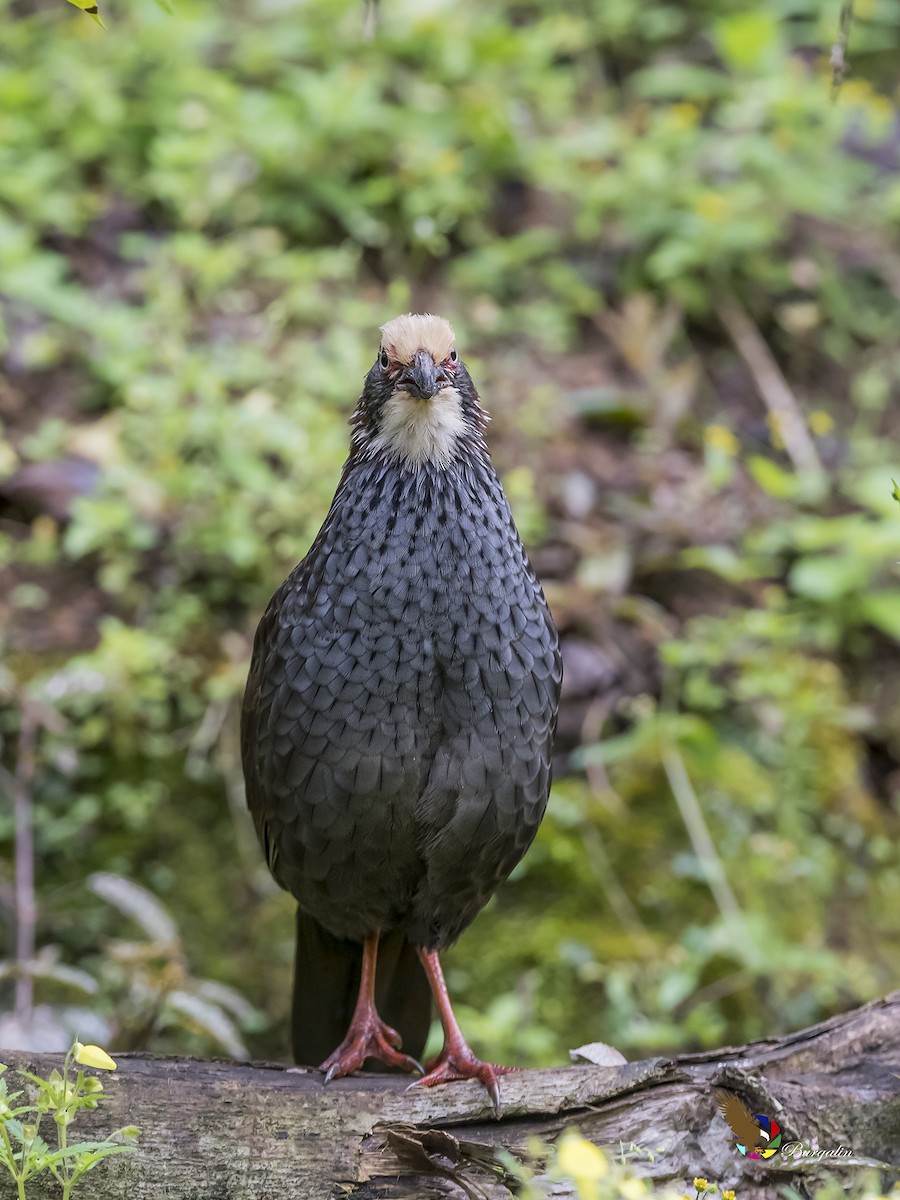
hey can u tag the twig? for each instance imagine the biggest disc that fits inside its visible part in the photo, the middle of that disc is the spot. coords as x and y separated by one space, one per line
698 832
839 64
205 737
26 909
772 386
370 20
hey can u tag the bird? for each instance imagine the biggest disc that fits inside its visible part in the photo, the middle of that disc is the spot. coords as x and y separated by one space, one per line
398 718
747 1129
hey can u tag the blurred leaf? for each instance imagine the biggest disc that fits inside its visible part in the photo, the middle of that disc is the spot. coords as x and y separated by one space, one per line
138 904
882 609
211 1019
53 971
227 998
771 478
678 81
827 577
747 39
87 6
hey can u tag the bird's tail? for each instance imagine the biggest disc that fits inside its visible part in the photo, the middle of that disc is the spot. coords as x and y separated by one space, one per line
326 985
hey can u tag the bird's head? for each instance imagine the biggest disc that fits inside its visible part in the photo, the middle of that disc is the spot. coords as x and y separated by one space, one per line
418 404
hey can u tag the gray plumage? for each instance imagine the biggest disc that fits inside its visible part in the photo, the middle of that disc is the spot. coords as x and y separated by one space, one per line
402 696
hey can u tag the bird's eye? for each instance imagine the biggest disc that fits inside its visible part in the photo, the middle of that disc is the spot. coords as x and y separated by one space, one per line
384 360
453 356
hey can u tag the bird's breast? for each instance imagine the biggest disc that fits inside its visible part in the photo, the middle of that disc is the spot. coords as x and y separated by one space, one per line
434 559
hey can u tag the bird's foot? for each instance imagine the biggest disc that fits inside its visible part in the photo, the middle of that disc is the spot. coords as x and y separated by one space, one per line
368 1037
456 1061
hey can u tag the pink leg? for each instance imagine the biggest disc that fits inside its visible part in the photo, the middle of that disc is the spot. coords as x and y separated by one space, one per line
456 1060
368 1036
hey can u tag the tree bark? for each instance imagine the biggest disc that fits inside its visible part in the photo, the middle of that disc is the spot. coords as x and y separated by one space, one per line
231 1131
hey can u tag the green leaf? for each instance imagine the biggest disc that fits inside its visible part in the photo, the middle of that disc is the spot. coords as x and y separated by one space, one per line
43 1084
93 1150
679 81
89 7
827 577
747 40
882 609
773 480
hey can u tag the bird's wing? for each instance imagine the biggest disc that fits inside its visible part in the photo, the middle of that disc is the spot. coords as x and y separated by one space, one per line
739 1117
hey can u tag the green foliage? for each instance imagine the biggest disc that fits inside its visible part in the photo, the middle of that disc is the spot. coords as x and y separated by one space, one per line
91 10
768 731
595 1174
62 1096
205 215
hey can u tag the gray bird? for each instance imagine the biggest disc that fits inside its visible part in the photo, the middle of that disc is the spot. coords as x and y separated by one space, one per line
399 715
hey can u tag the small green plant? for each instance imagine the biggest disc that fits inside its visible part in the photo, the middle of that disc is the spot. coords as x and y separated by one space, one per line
596 1174
26 1154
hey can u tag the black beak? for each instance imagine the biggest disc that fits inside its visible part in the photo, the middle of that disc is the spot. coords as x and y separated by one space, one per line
422 378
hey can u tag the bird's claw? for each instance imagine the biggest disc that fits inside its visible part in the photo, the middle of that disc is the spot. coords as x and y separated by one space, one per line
458 1062
369 1038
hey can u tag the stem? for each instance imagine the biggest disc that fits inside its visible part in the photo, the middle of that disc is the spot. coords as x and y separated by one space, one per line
771 385
26 1153
839 62
698 832
63 1140
62 1127
19 1178
18 785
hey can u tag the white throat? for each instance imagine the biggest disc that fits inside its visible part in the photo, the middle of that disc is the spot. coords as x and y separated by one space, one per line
418 432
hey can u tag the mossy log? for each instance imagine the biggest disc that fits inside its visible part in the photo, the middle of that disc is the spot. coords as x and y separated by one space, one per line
233 1131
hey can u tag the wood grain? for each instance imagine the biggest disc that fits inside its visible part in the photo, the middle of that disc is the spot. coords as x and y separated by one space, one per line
233 1131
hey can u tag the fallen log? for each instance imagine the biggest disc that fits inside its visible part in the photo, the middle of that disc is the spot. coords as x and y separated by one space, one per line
235 1131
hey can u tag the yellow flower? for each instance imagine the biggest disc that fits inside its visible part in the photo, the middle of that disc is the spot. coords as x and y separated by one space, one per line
711 206
880 109
820 422
446 162
729 1195
93 1056
856 91
684 116
720 438
700 1184
581 1160
633 1188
